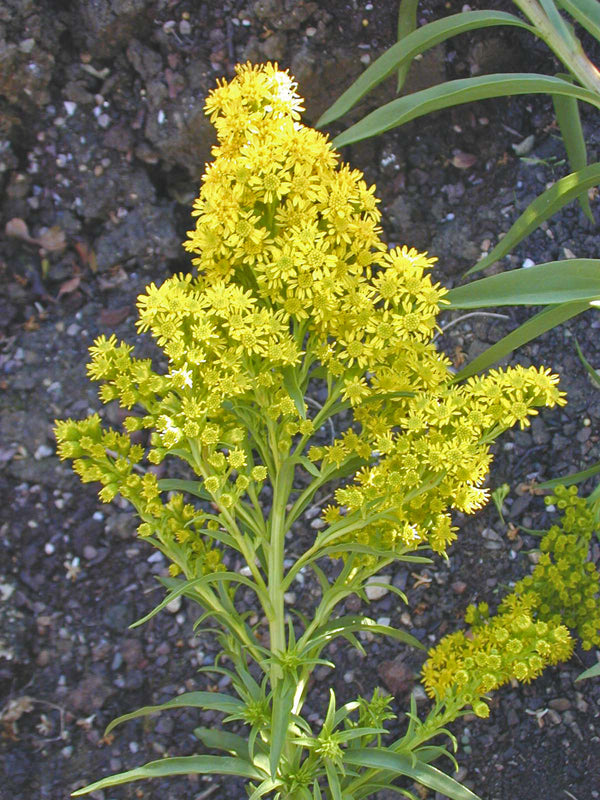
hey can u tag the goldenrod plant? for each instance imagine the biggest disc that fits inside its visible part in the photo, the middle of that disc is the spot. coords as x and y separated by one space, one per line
297 314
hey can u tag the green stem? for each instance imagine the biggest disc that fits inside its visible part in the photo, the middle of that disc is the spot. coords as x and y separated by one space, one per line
570 53
277 529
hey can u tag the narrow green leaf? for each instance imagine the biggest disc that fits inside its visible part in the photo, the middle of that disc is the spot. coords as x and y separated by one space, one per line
541 209
352 624
209 701
540 323
309 466
333 780
290 381
223 740
545 284
407 24
283 698
190 487
586 12
268 785
184 765
587 366
569 122
455 93
592 672
561 27
380 758
412 45
574 477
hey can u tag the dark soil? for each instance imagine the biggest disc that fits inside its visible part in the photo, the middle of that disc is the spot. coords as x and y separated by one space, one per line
102 142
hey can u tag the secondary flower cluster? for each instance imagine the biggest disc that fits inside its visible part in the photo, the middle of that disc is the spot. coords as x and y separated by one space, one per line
295 286
531 627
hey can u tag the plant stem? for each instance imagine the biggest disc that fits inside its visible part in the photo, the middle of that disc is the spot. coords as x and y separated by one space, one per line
571 54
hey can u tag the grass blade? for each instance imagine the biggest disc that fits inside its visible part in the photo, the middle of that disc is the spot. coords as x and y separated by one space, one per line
540 323
185 765
569 122
407 24
455 93
543 207
592 672
586 12
383 759
403 52
562 28
211 701
574 477
551 283
587 366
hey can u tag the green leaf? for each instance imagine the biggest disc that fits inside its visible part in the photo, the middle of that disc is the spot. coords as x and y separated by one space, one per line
540 323
190 487
309 466
574 477
551 283
569 122
382 759
586 12
352 624
223 740
587 366
564 30
283 699
333 780
290 381
542 208
412 45
184 765
592 672
209 701
455 93
407 24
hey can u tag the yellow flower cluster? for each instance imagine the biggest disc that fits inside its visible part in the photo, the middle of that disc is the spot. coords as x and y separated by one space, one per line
294 285
566 583
461 669
531 627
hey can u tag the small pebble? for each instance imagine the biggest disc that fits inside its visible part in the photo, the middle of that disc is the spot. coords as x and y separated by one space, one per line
377 592
49 548
185 28
43 451
174 606
529 262
70 107
89 552
104 120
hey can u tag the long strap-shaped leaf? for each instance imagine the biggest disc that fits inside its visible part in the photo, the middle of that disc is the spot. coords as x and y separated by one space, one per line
542 208
545 284
586 12
383 759
455 93
185 765
212 701
540 323
569 122
574 477
411 45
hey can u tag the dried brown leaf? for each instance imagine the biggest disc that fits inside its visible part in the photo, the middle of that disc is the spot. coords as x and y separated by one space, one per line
113 316
52 239
69 286
17 228
462 160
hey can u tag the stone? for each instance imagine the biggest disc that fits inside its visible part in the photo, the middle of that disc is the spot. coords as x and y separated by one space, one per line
397 677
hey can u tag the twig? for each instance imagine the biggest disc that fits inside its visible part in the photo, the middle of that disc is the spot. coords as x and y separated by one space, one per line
472 314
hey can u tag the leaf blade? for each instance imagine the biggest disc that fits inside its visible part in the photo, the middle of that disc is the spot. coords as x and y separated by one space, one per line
182 765
454 93
551 283
540 323
546 205
412 45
